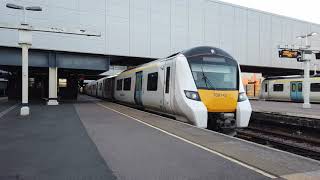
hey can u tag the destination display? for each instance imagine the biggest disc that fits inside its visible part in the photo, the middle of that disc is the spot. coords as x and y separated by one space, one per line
289 54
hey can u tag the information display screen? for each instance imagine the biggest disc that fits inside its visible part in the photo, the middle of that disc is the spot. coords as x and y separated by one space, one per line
289 54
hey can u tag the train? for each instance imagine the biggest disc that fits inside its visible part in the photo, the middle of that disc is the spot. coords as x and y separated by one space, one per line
201 86
289 88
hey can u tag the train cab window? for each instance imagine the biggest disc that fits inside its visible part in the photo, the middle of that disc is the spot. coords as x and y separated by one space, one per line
265 87
126 84
315 87
278 87
214 72
152 84
119 84
167 80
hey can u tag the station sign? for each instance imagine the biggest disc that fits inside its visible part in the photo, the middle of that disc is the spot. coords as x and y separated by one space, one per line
285 53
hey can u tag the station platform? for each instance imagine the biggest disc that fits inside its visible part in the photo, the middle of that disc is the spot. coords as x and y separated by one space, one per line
6 105
288 113
94 139
286 108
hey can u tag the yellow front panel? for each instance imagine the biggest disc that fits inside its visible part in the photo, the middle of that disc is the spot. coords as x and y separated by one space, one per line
219 101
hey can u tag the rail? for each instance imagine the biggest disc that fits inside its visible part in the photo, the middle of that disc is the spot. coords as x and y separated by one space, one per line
278 138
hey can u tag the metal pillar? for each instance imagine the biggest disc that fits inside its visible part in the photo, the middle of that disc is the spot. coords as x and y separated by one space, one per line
306 85
25 41
25 78
53 87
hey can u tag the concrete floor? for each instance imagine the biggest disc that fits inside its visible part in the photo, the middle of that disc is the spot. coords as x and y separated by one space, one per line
51 143
88 139
286 108
136 151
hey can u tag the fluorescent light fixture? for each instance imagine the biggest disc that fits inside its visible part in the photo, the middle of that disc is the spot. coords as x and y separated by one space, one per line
313 34
308 35
14 6
31 8
34 8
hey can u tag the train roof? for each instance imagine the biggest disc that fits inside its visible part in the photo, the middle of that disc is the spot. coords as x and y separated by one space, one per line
290 77
206 50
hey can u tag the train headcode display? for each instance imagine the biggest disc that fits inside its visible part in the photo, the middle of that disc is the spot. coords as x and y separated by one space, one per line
289 54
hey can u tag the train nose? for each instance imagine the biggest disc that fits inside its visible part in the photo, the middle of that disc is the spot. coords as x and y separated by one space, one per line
219 101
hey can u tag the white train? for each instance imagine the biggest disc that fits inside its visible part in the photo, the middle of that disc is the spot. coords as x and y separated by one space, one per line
201 86
289 88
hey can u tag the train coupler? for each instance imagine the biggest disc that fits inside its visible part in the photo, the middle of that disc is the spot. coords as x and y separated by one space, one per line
222 122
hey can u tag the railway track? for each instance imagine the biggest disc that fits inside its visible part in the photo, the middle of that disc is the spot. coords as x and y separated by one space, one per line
292 142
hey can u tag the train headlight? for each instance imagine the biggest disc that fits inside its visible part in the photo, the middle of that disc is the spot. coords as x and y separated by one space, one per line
242 97
192 95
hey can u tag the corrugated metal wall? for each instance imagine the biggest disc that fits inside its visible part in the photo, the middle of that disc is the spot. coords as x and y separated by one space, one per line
158 28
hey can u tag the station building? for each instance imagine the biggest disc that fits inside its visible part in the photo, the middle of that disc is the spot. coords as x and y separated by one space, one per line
138 31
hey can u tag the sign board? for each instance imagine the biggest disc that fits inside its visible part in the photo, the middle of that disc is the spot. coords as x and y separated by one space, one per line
289 53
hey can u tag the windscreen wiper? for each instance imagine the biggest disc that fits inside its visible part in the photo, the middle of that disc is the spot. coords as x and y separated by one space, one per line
207 81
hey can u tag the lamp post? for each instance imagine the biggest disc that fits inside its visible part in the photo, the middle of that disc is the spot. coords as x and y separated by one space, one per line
29 8
306 80
25 42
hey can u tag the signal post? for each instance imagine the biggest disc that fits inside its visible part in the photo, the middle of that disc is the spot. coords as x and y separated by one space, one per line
302 54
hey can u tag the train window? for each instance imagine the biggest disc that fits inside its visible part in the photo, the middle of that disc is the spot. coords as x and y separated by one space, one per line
167 80
265 87
100 86
152 81
119 84
126 84
214 72
300 87
278 87
315 87
293 88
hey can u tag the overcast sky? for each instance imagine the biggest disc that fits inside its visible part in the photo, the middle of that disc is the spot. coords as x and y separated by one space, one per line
307 10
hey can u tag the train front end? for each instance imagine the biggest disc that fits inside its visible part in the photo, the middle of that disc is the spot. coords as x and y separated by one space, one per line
217 77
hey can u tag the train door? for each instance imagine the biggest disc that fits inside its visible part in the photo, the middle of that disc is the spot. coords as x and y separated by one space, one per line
97 89
138 89
296 91
167 86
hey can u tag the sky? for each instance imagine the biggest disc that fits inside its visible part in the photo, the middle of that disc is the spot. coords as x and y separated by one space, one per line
307 10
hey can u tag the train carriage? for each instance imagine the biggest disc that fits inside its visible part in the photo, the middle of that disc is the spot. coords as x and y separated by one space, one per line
289 88
201 86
